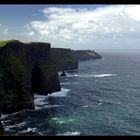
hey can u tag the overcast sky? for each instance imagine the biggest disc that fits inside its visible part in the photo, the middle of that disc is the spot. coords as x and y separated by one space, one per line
73 26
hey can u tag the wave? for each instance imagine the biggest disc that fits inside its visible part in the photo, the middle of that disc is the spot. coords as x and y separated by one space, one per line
88 75
28 130
70 133
96 75
56 120
51 106
62 93
4 116
10 127
104 75
40 100
71 75
65 84
60 121
85 106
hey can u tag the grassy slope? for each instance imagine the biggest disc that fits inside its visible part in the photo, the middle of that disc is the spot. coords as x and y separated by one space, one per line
3 42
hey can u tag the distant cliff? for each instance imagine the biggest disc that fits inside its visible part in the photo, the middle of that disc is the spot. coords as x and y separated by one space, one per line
86 55
67 59
25 69
64 59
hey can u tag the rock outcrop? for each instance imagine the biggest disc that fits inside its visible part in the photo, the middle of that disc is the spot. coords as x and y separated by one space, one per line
86 55
63 73
64 59
25 69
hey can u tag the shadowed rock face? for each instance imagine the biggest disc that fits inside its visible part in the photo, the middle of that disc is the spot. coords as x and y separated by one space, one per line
64 59
1 129
25 69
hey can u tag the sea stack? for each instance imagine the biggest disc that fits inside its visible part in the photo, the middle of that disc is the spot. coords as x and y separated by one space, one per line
63 73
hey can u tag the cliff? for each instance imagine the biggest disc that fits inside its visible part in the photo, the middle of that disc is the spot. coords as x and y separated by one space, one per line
1 129
64 59
26 68
86 55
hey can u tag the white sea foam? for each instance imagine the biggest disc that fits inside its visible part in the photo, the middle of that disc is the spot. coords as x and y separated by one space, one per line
85 106
61 121
57 120
40 133
65 84
9 127
70 120
21 124
28 130
50 106
100 103
70 133
31 129
62 93
104 75
96 75
40 100
72 75
4 116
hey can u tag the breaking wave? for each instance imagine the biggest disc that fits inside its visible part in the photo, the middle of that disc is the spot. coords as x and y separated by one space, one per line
62 93
40 100
97 75
70 134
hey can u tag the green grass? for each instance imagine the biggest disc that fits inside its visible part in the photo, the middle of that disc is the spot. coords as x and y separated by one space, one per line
4 42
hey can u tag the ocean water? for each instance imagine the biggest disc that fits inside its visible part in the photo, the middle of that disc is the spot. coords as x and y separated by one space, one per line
101 98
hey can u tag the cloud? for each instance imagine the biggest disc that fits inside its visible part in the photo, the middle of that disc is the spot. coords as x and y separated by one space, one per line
3 30
112 24
31 33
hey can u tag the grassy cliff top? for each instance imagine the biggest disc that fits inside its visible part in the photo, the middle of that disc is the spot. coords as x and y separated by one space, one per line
4 42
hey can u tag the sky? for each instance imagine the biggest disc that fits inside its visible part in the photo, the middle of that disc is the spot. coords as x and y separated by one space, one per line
73 26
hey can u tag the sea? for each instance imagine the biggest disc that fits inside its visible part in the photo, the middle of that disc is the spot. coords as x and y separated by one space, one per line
101 98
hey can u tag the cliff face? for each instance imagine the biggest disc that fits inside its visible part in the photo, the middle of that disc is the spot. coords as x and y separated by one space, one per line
16 95
86 55
64 59
25 69
1 129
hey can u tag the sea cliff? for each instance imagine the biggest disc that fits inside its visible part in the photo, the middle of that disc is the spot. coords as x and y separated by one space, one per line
26 68
86 55
64 59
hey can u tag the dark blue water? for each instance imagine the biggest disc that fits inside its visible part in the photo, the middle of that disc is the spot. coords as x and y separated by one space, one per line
101 98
